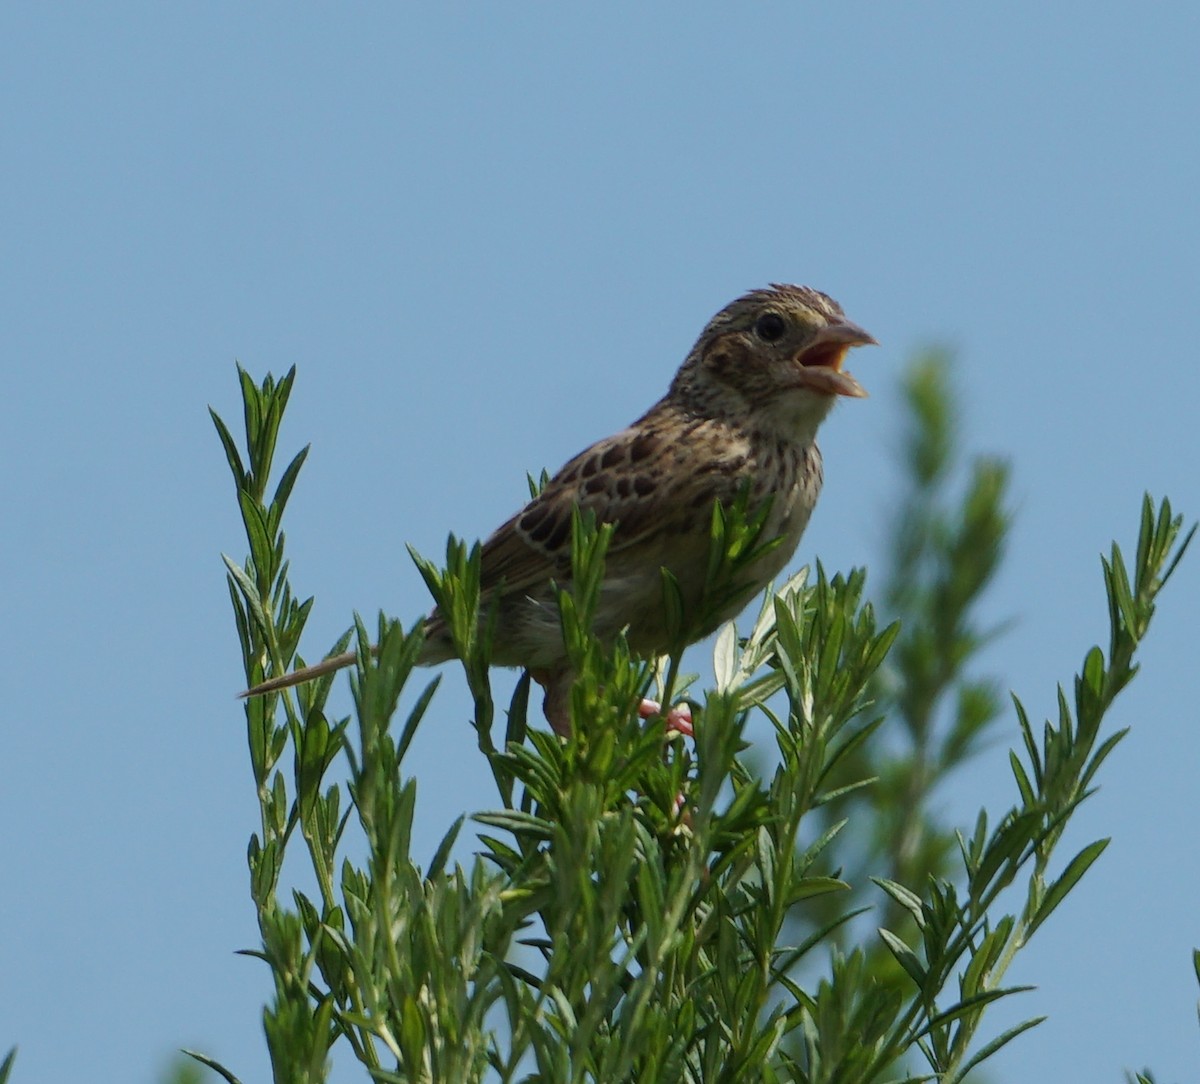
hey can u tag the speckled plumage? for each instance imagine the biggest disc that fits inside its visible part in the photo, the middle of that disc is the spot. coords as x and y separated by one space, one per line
742 411
657 482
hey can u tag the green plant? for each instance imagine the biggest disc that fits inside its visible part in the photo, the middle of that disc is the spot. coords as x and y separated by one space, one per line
630 915
937 712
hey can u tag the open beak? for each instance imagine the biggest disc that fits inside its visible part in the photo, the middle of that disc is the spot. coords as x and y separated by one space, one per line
821 360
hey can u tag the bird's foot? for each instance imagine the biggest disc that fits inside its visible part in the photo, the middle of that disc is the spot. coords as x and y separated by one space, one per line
557 705
678 718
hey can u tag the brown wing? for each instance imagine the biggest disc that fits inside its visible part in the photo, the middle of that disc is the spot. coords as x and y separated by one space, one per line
642 479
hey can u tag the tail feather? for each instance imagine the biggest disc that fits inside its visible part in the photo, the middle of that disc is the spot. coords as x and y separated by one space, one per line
298 677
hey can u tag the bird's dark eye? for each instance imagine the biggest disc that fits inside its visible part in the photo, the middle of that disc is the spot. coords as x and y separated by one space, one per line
770 327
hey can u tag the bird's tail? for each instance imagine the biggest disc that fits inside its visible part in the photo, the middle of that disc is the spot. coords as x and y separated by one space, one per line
298 677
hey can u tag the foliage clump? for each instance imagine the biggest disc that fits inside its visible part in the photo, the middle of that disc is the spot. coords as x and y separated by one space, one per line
642 908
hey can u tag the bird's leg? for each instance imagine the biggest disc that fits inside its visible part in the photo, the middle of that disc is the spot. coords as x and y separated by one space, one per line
556 704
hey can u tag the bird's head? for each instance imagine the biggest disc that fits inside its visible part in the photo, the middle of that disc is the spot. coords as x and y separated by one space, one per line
773 358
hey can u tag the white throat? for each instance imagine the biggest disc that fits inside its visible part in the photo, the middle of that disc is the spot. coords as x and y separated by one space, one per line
794 415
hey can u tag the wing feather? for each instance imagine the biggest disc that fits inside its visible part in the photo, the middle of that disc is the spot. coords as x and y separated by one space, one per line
638 479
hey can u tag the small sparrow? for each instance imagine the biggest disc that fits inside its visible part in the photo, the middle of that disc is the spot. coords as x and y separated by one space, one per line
741 416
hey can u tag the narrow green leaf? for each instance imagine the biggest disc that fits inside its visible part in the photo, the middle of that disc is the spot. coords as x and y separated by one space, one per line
910 901
788 958
204 1059
1147 530
518 712
971 1004
258 535
429 573
849 745
814 850
826 796
1122 594
988 1049
1057 892
672 601
1028 798
1093 671
438 862
766 862
1179 552
880 647
284 489
985 956
905 957
1012 836
232 455
808 887
1101 754
979 839
517 822
253 419
249 592
283 390
725 657
414 718
1031 747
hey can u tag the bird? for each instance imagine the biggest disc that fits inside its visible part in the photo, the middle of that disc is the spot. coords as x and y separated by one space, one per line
739 421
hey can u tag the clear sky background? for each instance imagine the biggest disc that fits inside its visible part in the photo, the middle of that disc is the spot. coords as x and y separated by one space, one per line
486 237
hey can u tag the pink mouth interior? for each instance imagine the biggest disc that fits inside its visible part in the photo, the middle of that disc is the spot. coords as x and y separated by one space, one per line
829 356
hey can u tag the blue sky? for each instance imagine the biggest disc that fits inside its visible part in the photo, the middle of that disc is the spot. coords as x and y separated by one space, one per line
486 236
